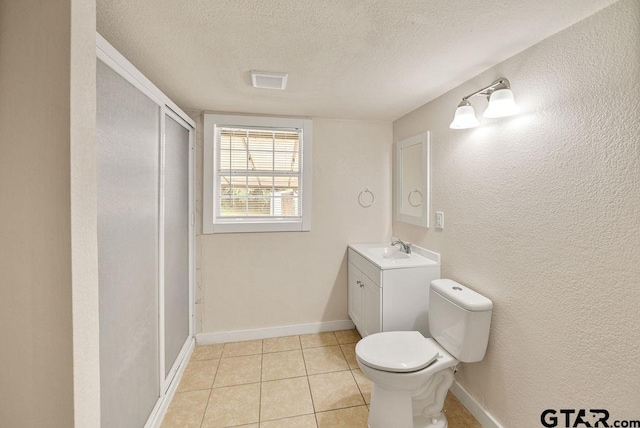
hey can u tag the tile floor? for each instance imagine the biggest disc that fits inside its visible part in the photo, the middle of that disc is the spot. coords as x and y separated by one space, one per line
303 381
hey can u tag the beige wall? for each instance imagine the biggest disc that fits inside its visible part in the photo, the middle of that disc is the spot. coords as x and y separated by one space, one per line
84 238
46 108
258 280
542 215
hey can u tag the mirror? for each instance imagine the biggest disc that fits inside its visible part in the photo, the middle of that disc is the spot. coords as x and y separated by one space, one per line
412 176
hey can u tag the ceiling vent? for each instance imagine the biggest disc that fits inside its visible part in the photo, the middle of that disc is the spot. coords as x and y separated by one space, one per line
264 80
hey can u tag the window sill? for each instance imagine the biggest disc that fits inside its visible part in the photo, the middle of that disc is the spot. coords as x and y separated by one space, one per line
257 227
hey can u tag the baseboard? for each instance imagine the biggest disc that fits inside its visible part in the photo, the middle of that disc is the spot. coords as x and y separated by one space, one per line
266 333
160 410
480 413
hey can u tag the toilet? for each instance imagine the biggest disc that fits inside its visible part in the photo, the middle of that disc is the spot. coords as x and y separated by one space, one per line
411 374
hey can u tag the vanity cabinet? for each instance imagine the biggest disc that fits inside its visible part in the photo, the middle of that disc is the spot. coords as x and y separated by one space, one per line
365 298
388 297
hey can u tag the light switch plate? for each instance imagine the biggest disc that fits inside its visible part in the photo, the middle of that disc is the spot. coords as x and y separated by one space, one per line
439 220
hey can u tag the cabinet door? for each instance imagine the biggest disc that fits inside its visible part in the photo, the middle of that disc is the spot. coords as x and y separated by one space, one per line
355 296
372 306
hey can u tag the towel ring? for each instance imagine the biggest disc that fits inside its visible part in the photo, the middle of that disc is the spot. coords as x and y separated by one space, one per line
364 196
414 190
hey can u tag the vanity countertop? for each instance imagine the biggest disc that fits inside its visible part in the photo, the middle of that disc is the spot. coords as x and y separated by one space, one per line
384 256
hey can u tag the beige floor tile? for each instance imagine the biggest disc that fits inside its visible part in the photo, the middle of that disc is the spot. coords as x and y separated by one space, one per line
198 375
347 336
320 339
364 384
207 352
233 405
238 371
306 421
238 349
285 398
186 409
353 417
349 351
457 415
282 365
279 344
332 391
282 400
325 359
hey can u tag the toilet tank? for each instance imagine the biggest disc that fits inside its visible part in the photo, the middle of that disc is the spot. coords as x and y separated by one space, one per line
459 319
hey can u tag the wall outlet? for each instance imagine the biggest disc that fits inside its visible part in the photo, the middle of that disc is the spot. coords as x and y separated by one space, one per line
439 220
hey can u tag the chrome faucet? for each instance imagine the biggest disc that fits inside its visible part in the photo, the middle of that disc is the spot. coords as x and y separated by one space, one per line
405 246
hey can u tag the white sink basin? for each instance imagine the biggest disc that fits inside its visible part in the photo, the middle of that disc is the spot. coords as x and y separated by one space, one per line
385 256
391 253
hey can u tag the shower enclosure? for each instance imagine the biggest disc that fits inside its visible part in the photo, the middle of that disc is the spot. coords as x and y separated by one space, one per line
145 241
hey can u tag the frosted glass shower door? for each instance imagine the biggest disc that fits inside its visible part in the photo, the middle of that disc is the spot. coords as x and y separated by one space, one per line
128 154
176 240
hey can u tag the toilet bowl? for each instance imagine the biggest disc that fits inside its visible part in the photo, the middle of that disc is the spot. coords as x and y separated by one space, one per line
411 374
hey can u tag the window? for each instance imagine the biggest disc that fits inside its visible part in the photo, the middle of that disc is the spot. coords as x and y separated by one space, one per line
257 174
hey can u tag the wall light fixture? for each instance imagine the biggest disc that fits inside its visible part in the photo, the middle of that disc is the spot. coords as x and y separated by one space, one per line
501 104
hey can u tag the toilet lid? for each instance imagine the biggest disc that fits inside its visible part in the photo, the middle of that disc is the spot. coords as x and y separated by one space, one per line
397 351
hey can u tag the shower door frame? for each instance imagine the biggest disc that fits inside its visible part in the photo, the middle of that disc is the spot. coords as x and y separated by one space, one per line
109 56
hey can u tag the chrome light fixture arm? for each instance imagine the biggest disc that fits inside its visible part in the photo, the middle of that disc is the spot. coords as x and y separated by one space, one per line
501 83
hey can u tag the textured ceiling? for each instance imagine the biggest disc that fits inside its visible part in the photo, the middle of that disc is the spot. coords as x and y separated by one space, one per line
374 59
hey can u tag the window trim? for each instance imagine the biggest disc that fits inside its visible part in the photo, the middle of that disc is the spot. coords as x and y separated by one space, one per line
212 225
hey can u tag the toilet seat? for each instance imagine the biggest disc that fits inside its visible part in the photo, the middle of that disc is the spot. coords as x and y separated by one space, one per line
397 351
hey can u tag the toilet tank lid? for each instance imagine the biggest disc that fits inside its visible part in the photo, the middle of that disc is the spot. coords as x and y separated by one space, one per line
461 295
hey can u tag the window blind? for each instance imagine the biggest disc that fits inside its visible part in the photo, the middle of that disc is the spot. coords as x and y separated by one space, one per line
258 173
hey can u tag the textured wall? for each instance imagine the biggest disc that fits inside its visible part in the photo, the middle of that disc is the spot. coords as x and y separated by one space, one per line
543 216
49 360
84 240
36 378
257 280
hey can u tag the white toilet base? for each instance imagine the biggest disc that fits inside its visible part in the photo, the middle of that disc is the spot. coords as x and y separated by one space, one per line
390 408
413 407
437 422
393 408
